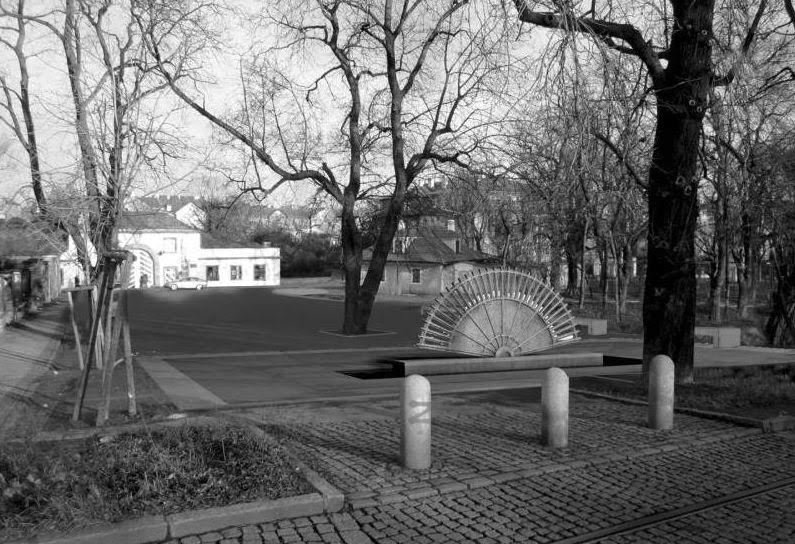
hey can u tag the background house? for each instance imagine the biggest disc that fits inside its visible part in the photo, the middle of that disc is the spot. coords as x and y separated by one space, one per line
29 260
166 248
428 254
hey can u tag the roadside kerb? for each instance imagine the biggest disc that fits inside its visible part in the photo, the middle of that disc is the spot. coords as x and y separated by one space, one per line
775 424
325 500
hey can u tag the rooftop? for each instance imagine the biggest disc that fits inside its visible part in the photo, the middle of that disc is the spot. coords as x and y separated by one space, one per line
136 221
19 238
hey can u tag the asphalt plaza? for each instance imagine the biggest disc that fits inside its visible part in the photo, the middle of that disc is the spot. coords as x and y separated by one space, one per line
254 345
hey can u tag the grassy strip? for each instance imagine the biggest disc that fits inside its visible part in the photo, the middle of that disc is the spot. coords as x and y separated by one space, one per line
757 391
54 488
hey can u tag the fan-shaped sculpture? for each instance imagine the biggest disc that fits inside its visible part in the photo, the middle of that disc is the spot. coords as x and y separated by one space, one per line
497 312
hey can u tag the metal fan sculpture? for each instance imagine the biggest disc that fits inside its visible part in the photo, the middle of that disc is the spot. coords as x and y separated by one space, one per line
497 312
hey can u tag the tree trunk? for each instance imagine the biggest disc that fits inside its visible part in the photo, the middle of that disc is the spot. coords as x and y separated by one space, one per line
603 285
582 263
717 279
669 301
352 267
626 276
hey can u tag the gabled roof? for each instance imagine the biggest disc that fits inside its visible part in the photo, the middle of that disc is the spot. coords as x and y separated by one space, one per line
22 239
429 247
160 221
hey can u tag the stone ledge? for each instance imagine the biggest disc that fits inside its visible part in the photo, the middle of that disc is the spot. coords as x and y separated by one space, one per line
722 337
212 519
467 365
593 326
778 424
136 531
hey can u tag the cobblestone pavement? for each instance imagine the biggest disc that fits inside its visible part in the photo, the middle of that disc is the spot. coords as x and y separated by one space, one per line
492 482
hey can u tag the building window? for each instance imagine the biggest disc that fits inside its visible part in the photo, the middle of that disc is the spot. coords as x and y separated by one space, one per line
169 245
259 272
398 246
458 246
416 275
235 272
212 273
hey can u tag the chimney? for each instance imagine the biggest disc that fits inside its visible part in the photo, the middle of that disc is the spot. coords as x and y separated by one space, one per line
451 225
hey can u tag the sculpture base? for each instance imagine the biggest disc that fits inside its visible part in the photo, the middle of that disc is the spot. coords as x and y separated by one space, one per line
467 365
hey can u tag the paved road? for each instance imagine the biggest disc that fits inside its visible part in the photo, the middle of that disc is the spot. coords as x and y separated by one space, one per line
239 345
242 319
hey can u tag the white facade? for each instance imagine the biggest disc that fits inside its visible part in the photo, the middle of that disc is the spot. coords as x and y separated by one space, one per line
163 254
239 266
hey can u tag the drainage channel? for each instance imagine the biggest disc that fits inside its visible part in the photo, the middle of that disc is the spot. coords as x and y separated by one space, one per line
648 521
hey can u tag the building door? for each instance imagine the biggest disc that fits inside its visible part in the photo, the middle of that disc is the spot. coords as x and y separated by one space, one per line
212 273
143 269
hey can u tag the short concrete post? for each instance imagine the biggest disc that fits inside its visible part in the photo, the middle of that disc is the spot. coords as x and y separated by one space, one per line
555 409
415 423
661 393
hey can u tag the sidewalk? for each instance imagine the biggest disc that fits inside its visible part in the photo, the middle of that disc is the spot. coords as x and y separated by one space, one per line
492 481
28 351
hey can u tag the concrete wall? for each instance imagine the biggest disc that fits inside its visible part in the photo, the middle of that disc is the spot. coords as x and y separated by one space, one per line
245 258
434 278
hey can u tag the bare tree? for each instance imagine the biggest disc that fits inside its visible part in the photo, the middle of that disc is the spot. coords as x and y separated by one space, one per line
120 134
411 73
677 55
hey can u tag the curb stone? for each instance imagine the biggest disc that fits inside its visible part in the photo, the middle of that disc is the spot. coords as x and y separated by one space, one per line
707 414
213 519
136 531
151 529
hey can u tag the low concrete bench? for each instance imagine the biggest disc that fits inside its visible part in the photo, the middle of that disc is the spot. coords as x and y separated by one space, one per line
429 367
593 326
722 337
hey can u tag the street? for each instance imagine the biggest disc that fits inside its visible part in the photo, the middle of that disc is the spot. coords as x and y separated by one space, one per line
228 319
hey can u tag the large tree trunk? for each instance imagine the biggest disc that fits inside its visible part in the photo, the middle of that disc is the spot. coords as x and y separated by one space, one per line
669 301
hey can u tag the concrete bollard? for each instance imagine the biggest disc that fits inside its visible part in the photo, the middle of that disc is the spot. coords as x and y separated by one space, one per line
661 393
555 409
415 423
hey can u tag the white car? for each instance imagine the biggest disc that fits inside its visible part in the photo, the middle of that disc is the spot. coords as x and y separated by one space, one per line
186 283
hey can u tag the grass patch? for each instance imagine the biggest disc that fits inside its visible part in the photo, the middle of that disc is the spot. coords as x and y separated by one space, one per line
56 488
760 392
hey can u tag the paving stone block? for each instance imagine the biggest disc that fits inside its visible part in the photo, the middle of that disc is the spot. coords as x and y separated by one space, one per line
355 537
415 494
391 499
474 483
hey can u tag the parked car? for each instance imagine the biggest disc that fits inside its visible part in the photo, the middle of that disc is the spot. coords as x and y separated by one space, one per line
186 283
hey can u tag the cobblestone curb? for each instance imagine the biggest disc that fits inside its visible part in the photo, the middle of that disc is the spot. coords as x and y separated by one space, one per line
326 500
720 416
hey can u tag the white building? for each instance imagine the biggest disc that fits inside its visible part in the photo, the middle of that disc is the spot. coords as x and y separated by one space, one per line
166 248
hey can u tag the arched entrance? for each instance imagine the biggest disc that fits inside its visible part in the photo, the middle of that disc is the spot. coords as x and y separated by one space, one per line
144 269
